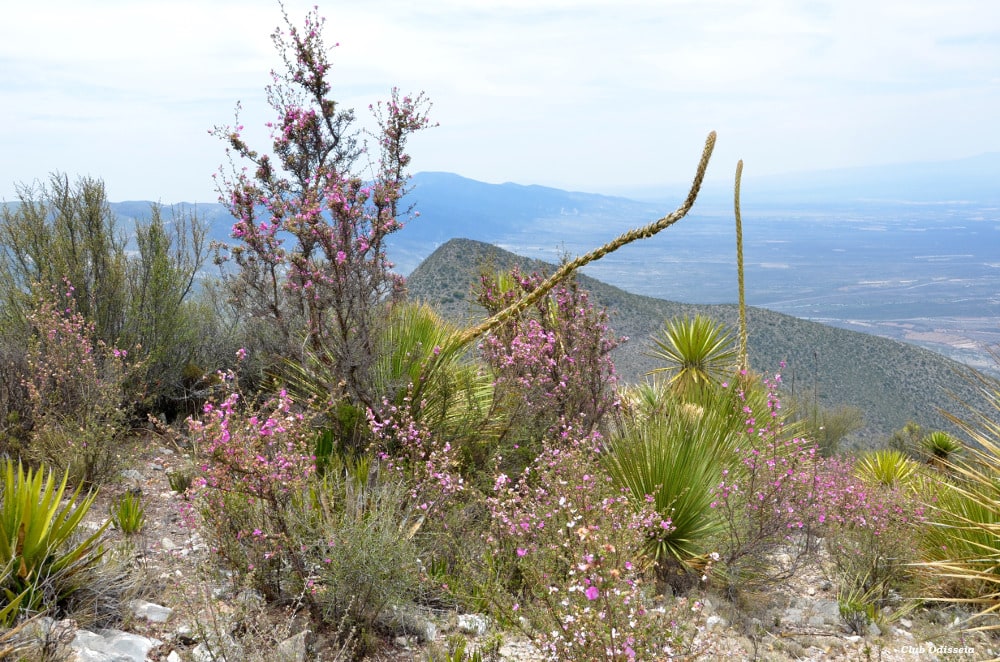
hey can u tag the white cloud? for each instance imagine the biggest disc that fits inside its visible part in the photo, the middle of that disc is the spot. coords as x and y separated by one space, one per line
585 94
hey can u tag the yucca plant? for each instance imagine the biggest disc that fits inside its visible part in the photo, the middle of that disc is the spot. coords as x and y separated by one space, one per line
128 514
693 352
887 467
418 360
674 457
940 446
40 541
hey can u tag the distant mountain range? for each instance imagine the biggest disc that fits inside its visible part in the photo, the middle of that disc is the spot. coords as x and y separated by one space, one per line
886 250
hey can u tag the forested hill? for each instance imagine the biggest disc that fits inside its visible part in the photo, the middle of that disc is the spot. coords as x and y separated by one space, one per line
891 382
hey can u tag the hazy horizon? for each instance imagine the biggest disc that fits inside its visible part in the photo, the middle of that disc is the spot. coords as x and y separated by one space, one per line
583 95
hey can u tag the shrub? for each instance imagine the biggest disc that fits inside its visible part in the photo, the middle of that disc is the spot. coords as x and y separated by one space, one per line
77 389
136 299
253 462
342 542
360 540
770 490
871 527
551 365
329 284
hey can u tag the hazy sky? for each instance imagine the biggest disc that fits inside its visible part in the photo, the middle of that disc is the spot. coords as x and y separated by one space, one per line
585 95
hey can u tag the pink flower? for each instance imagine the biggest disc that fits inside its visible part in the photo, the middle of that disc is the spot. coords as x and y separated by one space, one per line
592 593
521 551
341 257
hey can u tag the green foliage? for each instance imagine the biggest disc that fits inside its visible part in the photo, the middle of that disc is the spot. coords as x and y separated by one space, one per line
77 390
673 456
64 232
457 652
43 553
417 367
827 426
161 317
179 481
940 446
693 352
138 300
360 538
962 544
858 607
907 439
887 467
128 514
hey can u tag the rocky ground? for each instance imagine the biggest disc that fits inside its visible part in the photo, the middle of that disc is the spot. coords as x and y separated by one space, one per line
183 610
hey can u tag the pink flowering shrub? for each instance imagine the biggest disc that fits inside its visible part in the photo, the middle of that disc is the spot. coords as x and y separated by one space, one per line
778 495
575 548
254 462
552 366
312 219
76 387
870 531
768 492
409 451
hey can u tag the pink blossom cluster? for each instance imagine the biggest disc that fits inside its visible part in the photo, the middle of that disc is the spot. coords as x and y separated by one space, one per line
555 360
408 449
578 545
259 456
778 490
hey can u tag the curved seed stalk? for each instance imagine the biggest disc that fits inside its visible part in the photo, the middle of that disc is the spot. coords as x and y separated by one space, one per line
644 232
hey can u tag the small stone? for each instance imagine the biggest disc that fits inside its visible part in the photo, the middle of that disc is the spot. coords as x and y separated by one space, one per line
132 476
151 611
173 657
202 653
715 622
474 624
168 545
294 648
906 623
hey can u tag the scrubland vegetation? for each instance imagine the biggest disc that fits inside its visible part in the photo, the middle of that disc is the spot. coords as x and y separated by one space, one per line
352 453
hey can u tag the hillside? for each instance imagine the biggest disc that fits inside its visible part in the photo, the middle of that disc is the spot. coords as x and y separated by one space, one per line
891 382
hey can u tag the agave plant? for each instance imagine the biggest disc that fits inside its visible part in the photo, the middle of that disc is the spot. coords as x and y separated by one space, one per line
417 360
694 352
40 543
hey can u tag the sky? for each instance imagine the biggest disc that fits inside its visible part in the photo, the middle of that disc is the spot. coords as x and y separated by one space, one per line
599 96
